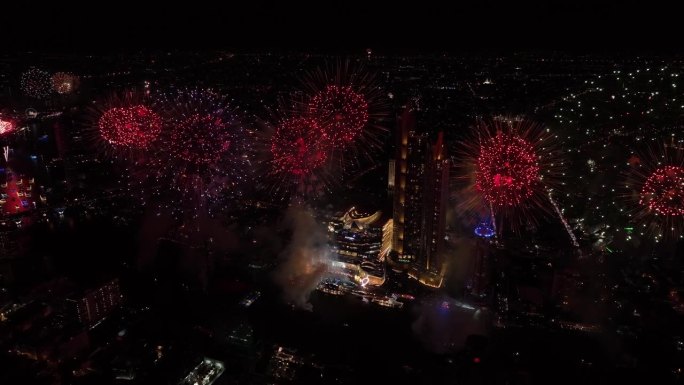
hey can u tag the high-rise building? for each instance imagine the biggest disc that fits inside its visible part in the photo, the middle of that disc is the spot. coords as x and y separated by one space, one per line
93 305
435 206
409 185
420 196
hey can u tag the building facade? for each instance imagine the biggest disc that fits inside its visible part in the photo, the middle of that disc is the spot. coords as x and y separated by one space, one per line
421 193
357 241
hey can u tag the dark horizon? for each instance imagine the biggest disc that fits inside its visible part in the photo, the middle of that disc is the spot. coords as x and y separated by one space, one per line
591 27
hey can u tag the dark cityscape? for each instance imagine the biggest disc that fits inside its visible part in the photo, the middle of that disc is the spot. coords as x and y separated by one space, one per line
183 209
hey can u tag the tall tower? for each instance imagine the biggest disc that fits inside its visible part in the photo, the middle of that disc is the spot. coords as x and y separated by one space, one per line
409 184
421 192
399 194
435 206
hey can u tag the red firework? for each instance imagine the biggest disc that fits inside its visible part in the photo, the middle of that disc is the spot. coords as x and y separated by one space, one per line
297 147
507 170
663 191
133 127
654 191
349 105
6 126
341 112
510 169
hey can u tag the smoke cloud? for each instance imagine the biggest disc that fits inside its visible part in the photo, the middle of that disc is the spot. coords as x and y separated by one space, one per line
305 260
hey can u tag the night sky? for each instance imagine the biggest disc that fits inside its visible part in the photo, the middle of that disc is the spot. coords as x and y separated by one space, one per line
341 26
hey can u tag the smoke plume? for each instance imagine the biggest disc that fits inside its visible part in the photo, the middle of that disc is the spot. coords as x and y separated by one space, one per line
305 259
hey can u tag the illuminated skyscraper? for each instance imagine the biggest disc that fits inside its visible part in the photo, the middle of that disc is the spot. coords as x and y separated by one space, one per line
420 196
409 184
435 206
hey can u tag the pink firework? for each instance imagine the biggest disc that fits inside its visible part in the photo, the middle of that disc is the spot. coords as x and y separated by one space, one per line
654 191
341 112
511 168
507 170
349 105
133 127
663 191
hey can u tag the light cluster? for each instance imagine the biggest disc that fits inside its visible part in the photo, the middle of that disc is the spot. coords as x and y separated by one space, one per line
129 127
64 82
36 83
663 191
341 112
507 170
298 147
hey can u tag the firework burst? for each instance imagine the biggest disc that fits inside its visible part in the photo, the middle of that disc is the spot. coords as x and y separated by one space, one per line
507 170
36 83
204 149
349 106
132 127
298 157
510 168
655 192
64 82
341 111
123 125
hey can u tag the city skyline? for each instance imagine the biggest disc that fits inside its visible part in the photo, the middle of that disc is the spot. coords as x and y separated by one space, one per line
267 217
